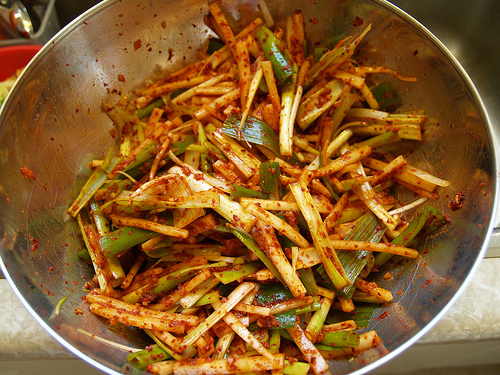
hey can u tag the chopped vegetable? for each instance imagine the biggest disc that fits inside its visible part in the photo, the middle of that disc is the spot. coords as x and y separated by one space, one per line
249 201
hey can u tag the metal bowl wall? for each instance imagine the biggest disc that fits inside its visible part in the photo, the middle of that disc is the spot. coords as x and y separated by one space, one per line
52 124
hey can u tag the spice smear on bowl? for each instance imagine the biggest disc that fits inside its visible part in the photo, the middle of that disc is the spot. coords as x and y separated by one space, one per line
250 201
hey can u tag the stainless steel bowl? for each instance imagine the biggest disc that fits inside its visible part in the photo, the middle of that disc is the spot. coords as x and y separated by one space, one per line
52 123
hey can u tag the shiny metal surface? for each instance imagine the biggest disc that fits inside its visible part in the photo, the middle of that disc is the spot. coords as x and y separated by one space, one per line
472 34
52 123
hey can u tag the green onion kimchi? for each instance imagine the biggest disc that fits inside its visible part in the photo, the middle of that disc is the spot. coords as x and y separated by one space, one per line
250 199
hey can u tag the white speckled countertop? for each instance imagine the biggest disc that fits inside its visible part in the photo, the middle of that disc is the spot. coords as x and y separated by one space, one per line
474 318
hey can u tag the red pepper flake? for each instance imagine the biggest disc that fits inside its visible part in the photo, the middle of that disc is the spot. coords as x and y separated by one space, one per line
78 311
137 44
457 202
51 269
384 315
357 21
415 53
34 241
28 173
121 78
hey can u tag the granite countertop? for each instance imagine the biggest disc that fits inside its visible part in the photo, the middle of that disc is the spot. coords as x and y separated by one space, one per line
474 317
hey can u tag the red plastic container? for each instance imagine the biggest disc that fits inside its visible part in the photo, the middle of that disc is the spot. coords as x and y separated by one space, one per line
15 57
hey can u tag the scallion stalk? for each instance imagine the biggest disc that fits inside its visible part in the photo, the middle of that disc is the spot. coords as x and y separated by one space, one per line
286 121
341 339
296 368
146 111
379 140
274 341
307 277
318 319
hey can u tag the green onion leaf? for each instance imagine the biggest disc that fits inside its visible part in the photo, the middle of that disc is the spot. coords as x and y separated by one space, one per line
282 67
146 111
307 277
146 154
143 358
123 239
369 229
94 183
239 191
414 229
387 97
254 131
239 271
286 319
250 244
272 293
314 306
214 44
177 92
270 181
435 221
362 315
319 52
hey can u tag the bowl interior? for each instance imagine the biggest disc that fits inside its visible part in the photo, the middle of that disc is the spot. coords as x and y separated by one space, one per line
53 124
